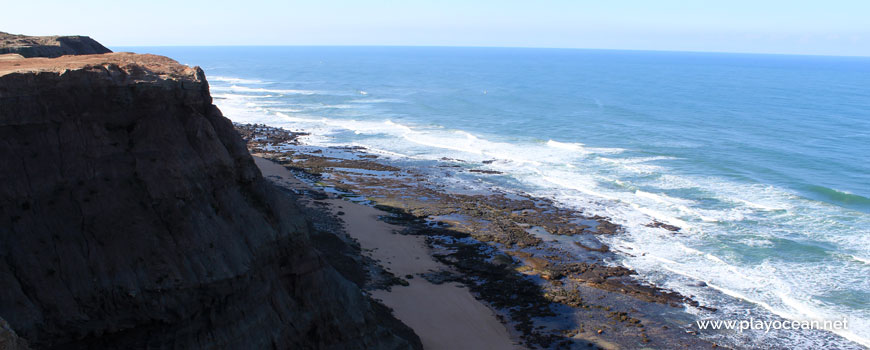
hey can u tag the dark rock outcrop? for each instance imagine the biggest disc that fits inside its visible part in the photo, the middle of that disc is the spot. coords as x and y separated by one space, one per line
8 339
132 216
49 46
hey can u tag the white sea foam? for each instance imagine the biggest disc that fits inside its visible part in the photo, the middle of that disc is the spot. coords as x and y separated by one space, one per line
754 242
238 96
609 186
376 100
566 145
756 205
663 198
584 187
404 128
770 293
232 80
756 286
637 165
382 152
636 160
239 88
286 110
317 107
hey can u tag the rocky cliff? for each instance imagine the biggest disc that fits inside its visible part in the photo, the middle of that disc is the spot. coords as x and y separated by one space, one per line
49 46
132 216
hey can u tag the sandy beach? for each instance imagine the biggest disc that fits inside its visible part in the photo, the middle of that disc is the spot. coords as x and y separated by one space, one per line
473 270
446 315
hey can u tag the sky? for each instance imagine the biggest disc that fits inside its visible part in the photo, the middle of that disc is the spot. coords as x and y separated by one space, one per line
821 27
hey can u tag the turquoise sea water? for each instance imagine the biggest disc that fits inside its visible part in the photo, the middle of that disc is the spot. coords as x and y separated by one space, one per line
762 160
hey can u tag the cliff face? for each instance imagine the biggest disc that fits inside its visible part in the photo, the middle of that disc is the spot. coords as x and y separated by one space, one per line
132 215
8 339
49 46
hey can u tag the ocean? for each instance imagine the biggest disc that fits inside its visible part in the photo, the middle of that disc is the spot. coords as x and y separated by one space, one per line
762 160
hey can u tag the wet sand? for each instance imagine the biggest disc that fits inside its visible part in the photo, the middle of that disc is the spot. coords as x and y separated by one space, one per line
446 315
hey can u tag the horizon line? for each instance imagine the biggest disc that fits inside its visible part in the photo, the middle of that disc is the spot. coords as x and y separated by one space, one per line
508 47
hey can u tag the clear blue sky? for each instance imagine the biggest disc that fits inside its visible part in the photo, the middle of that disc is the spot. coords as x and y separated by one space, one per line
828 27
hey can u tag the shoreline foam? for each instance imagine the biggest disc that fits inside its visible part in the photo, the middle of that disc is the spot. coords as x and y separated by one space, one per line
547 304
336 177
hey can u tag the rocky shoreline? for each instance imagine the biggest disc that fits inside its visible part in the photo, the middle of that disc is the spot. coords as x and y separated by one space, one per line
504 246
120 150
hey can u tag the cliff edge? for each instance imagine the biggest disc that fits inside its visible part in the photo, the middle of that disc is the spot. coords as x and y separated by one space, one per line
133 216
49 46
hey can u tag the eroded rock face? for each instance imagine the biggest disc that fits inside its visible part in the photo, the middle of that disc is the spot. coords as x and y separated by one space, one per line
8 339
49 46
132 215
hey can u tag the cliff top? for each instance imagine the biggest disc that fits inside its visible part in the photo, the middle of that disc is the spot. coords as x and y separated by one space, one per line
49 46
27 40
138 66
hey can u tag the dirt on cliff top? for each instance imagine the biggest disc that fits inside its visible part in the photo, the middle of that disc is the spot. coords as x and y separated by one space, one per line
127 61
49 46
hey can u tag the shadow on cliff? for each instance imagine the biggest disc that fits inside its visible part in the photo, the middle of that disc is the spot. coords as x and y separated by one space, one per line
132 216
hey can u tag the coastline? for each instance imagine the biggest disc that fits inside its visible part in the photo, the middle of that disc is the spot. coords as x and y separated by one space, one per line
747 245
134 217
491 244
445 316
432 250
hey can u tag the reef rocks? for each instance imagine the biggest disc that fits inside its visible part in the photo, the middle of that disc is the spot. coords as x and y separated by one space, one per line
133 216
509 248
